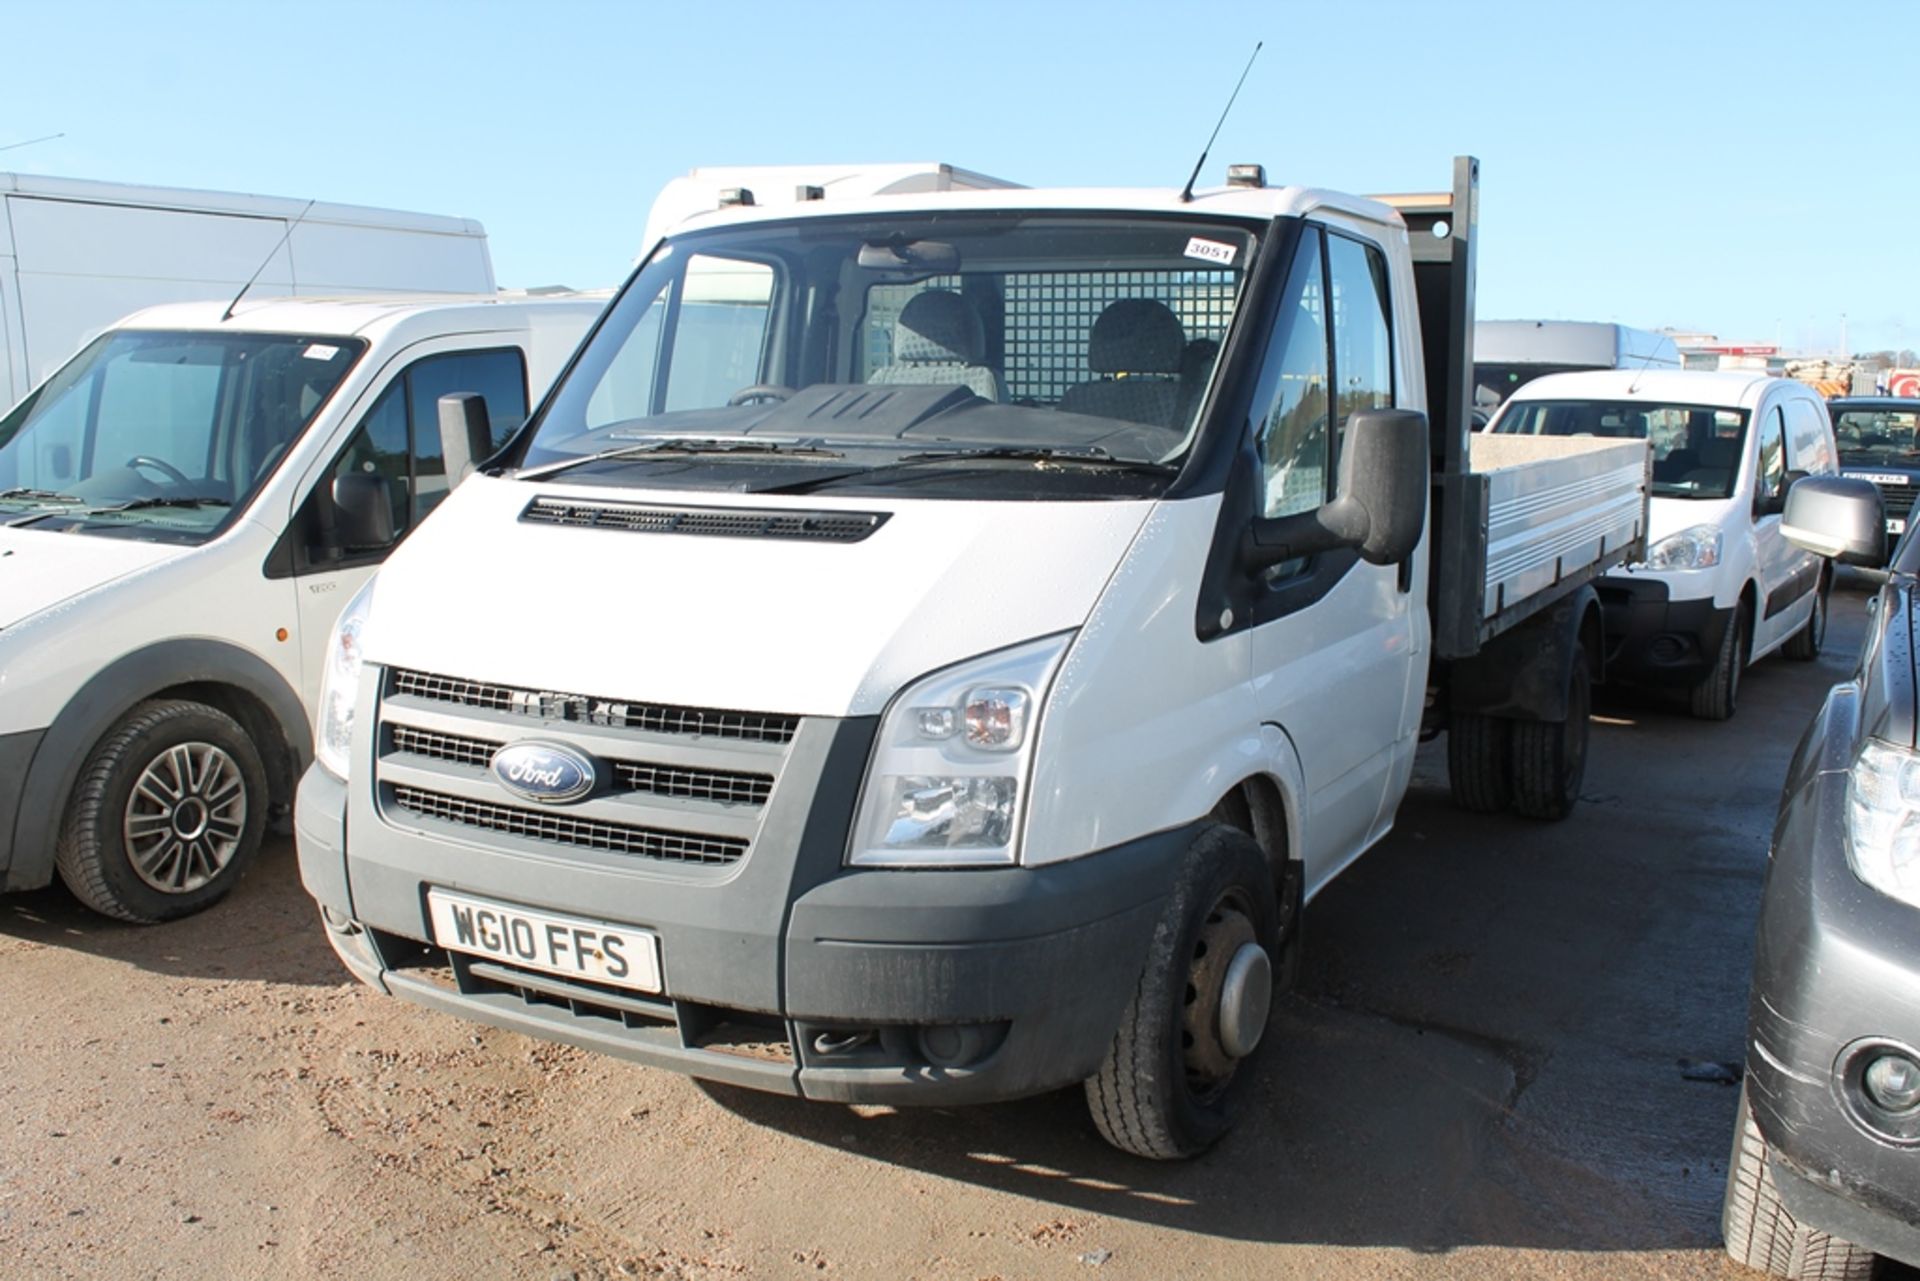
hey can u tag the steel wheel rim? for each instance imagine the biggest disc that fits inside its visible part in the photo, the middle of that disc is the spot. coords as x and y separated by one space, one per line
1206 1064
186 817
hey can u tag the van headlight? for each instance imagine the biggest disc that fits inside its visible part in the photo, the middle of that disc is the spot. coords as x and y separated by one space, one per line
340 686
946 786
1695 548
1883 820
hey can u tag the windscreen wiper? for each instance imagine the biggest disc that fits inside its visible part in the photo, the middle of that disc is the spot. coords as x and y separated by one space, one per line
141 504
39 495
1058 455
680 446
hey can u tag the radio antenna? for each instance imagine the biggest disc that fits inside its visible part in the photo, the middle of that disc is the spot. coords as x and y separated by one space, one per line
288 235
1186 192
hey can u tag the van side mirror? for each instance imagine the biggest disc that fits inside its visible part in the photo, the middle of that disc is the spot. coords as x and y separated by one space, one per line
1838 517
466 434
362 512
1381 507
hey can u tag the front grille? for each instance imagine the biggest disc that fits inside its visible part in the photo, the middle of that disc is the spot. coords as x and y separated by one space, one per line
719 522
614 713
567 829
724 786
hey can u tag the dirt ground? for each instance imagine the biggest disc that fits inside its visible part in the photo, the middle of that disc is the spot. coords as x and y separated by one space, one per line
1480 1076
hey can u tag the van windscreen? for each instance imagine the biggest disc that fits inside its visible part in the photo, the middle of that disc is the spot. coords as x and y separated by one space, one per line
1696 448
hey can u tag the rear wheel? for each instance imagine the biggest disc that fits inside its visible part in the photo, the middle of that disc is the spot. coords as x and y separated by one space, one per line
168 813
1480 761
1170 1080
1716 697
1759 1230
1550 757
1804 646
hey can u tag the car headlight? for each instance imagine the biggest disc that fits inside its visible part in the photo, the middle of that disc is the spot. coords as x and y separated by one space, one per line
946 786
1883 820
1695 548
340 686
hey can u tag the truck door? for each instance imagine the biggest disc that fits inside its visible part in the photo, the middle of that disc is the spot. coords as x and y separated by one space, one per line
396 438
1332 635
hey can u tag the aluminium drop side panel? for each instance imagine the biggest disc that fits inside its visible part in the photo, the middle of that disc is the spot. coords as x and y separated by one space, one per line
1559 511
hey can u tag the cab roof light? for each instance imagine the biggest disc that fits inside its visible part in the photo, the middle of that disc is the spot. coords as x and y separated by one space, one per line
804 193
730 196
1247 176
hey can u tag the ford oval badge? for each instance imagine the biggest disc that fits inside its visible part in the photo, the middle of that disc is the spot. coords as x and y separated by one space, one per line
544 772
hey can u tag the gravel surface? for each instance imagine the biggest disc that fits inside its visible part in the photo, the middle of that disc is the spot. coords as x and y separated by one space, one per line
1485 1073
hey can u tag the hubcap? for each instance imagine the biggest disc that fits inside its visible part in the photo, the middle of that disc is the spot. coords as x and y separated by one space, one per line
185 818
1213 1027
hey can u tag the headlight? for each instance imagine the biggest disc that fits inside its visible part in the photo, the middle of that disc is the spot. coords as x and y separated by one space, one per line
1696 548
1883 821
950 767
340 686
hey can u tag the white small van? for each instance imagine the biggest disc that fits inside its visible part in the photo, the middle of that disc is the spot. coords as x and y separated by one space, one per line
1720 586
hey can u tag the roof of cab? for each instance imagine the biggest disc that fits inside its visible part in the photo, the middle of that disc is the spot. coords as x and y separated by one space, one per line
367 316
1733 388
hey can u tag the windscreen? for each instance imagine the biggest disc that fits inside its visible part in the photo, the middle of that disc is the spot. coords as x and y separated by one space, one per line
1878 435
854 351
158 434
1696 448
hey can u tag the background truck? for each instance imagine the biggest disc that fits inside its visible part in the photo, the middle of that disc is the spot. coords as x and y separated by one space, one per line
1507 354
184 505
75 256
934 646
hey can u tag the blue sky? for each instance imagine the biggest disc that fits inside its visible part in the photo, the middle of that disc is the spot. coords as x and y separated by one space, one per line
1749 169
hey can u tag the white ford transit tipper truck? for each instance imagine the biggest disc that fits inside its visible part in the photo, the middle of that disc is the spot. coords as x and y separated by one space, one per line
929 648
184 506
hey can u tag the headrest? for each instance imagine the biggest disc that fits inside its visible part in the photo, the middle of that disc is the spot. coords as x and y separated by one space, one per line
1720 452
1136 336
939 327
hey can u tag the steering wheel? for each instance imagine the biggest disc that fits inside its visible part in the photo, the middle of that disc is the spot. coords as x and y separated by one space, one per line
160 465
759 391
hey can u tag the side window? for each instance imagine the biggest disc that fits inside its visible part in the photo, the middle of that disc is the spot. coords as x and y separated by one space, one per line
1771 472
1362 331
399 439
1291 398
1809 447
720 333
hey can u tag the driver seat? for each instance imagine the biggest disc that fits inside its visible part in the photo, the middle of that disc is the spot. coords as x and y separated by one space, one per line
939 339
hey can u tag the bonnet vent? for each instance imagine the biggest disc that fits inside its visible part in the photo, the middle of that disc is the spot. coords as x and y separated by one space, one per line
720 522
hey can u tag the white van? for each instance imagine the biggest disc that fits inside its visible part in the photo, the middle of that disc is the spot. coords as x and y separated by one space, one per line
184 506
1720 587
75 256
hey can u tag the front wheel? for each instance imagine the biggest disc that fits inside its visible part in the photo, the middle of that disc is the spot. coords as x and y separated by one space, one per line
1716 697
1760 1231
169 811
1171 1077
1804 646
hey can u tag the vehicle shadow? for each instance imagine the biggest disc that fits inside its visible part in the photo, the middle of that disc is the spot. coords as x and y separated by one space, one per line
265 931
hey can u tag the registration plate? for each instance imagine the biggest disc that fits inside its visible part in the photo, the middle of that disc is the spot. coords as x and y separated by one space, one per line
600 951
1895 525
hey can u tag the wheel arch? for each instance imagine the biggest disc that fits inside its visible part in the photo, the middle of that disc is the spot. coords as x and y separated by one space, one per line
220 674
1258 806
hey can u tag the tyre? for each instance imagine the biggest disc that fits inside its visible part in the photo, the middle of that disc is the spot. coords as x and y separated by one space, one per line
1550 757
1804 645
1759 1230
1168 1085
1480 762
167 814
1716 697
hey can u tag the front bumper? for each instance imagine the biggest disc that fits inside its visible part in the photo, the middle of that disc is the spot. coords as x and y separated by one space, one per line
1837 966
797 975
1653 639
16 753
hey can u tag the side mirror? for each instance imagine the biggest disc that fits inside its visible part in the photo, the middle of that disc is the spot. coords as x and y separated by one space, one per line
1381 508
362 512
1837 517
466 435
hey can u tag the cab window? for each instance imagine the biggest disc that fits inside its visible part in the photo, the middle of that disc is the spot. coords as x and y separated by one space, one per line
1771 473
1292 397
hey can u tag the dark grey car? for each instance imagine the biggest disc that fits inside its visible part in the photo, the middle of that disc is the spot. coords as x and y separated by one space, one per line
1825 1172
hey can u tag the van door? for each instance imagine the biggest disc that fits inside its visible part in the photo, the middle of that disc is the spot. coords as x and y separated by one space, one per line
397 438
1332 636
1777 563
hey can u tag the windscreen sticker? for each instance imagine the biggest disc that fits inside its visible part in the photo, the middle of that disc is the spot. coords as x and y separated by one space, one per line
1211 251
320 351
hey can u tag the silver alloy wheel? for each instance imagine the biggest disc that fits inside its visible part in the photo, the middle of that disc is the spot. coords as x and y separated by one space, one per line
185 817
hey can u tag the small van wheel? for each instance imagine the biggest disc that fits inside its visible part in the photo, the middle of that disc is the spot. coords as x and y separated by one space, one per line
1480 761
1550 757
1716 697
1759 1230
1170 1080
1804 645
167 814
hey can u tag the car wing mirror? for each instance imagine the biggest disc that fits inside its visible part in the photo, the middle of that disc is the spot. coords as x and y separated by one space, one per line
1838 517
